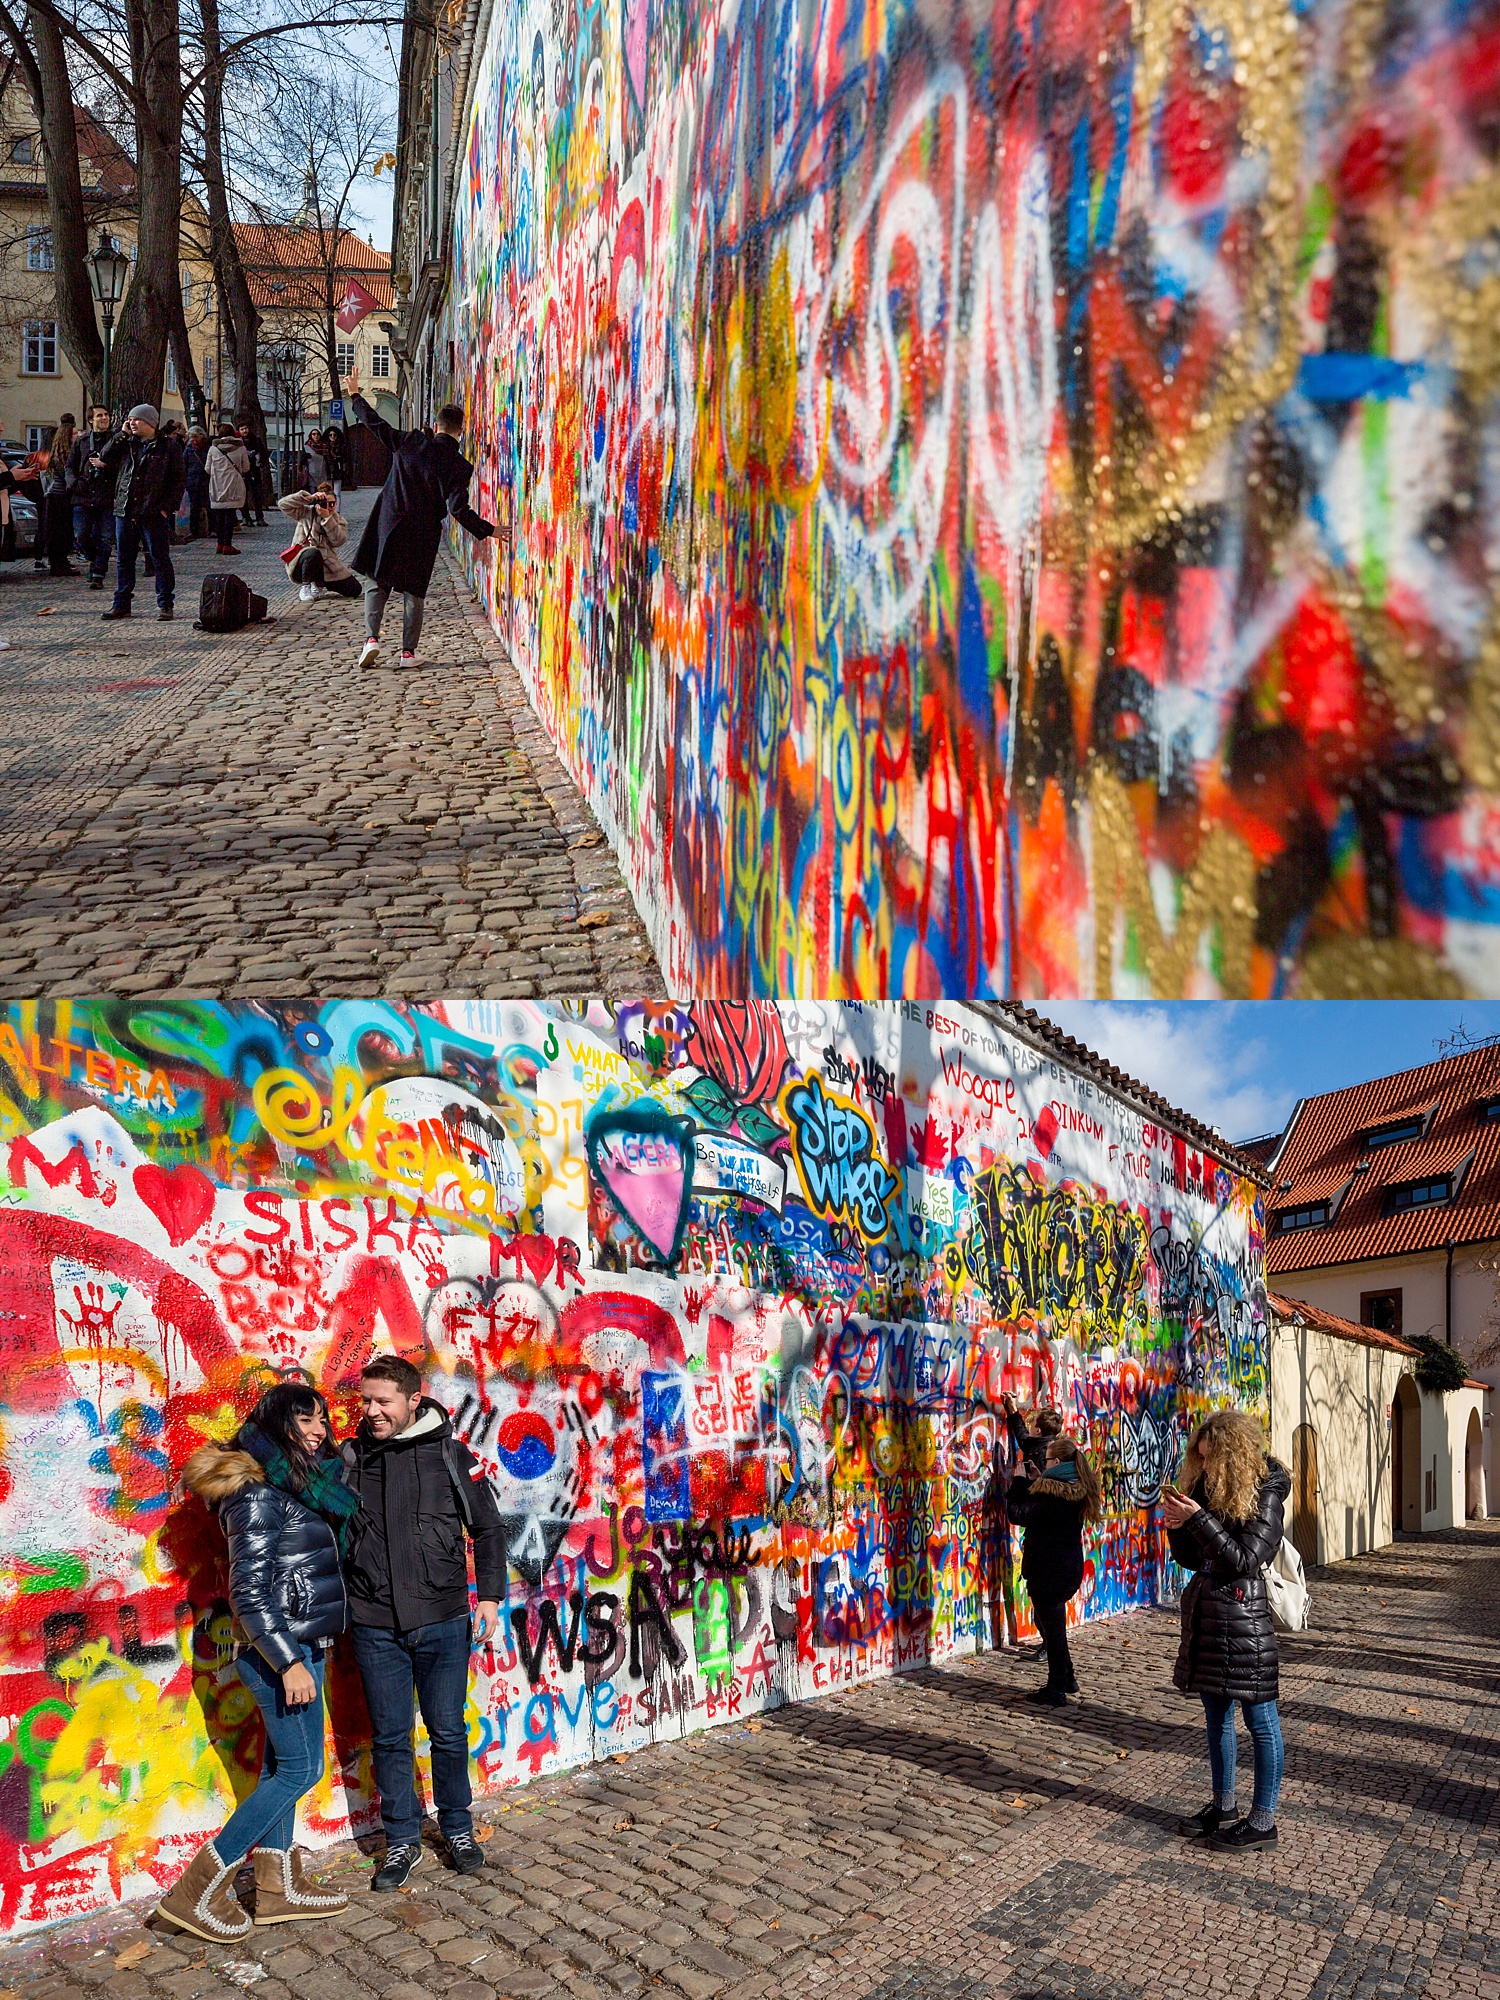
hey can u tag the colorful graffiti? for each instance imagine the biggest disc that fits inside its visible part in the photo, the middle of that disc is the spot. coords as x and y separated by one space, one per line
724 1299
1007 502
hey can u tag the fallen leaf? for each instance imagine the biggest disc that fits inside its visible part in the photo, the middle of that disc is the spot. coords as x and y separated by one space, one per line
483 1833
774 1924
754 1727
1019 1802
1122 1753
1446 1901
46 611
592 919
132 1954
624 1825
1412 1711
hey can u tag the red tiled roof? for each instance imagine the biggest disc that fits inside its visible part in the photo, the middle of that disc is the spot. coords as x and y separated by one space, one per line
285 291
287 246
1324 1146
1260 1149
103 152
1341 1329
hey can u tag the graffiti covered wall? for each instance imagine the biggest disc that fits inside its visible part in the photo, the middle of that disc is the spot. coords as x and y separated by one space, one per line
1005 499
723 1298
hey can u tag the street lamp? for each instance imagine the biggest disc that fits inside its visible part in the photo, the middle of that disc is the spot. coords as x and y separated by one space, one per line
107 271
286 372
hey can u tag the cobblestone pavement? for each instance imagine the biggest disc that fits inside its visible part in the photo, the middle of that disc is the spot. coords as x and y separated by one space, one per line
936 1838
249 814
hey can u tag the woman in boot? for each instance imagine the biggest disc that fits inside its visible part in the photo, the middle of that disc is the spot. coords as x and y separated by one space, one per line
1224 1522
1055 1492
286 1513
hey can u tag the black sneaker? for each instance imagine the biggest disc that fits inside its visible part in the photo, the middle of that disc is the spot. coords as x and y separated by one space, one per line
96 583
106 616
1203 1824
1234 1839
1048 1696
466 1854
397 1866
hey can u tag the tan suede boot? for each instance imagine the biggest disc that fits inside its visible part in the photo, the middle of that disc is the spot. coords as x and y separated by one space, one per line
203 1901
283 1894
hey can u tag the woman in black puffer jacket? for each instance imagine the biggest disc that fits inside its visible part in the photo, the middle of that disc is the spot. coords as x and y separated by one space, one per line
279 1493
1052 1498
1225 1524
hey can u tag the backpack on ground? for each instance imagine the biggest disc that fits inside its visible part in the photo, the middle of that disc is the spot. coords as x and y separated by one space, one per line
227 603
1286 1589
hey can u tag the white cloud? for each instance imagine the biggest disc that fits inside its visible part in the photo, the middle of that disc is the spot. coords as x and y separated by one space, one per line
1197 1053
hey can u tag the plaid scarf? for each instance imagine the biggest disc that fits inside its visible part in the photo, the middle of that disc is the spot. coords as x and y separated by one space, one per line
322 1486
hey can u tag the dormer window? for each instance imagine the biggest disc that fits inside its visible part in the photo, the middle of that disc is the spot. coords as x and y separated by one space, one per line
1394 1135
1310 1217
1418 1194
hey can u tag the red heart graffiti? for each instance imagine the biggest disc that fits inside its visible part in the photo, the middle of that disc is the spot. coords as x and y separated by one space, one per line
538 1253
181 1199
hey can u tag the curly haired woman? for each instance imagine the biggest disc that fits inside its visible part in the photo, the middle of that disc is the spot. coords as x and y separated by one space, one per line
1224 1522
1053 1496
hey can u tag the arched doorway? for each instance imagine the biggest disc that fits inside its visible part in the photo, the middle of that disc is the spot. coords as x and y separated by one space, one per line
1475 1499
1305 1492
1406 1459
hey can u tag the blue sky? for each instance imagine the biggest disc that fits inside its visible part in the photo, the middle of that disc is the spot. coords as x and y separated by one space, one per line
1242 1065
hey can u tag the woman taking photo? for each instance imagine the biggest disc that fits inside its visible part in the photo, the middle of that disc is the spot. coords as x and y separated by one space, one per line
1053 1495
286 1513
1224 1523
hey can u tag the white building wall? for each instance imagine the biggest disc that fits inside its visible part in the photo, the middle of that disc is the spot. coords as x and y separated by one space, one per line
1345 1392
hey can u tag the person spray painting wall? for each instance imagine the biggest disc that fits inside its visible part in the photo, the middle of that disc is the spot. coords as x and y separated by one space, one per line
1006 504
724 1300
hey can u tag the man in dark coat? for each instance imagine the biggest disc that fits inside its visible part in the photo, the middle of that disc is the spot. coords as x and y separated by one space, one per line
428 481
93 491
149 484
421 1491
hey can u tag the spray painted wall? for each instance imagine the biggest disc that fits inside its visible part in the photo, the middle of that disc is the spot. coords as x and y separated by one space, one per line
723 1297
1005 499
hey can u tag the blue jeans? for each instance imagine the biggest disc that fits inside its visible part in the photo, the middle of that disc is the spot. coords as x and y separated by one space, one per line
155 530
94 532
1264 1725
290 1765
432 1663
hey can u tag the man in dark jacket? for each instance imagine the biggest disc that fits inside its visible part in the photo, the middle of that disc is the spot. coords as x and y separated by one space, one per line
428 481
93 491
421 1492
149 484
257 480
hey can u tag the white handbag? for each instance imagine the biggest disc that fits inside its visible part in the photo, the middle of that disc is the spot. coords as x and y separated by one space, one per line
1286 1590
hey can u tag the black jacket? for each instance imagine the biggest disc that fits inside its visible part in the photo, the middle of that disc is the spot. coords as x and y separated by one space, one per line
286 1586
89 488
408 1566
1052 1512
149 478
1228 1644
428 481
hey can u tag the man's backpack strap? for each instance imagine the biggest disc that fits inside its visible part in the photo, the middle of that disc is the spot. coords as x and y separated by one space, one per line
460 1481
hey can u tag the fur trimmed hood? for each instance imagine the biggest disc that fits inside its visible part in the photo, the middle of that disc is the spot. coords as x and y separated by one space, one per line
216 1472
1061 1489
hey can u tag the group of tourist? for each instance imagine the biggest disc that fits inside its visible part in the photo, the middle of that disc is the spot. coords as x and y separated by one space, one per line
1224 1525
372 1534
120 491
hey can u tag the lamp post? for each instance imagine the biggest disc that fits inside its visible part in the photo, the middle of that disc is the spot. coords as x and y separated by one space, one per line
286 368
107 270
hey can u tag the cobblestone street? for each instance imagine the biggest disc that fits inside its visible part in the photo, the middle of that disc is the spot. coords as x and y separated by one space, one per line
936 1838
250 814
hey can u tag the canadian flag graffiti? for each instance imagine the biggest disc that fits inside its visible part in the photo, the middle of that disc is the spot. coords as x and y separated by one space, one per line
354 305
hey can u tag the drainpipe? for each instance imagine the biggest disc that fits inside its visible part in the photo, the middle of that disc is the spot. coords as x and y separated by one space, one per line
1448 1297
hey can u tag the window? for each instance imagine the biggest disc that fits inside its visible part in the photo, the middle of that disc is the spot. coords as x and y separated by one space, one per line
1302 1218
171 373
1395 1135
1417 1194
345 355
20 152
38 436
208 299
1382 1310
1489 1109
187 292
208 377
380 360
39 347
39 247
